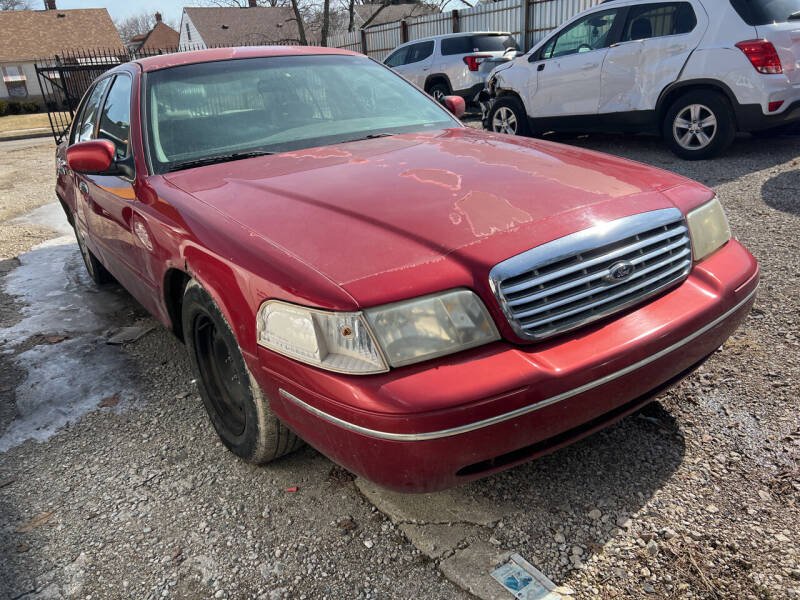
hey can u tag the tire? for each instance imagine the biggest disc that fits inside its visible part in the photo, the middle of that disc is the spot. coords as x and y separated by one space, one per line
97 272
507 115
236 405
699 125
438 90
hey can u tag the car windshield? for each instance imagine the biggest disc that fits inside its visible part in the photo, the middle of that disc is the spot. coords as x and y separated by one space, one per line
224 110
764 12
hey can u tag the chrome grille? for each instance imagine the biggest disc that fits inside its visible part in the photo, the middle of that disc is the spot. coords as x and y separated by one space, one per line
568 282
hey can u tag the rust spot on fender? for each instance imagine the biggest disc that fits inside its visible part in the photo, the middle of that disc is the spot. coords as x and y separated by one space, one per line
487 213
440 177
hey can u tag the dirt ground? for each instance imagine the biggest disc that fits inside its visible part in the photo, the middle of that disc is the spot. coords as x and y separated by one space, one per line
113 483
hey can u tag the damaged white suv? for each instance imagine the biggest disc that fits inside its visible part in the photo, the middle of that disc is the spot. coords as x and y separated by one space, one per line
694 71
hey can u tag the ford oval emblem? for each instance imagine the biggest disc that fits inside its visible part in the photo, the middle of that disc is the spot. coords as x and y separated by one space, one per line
620 271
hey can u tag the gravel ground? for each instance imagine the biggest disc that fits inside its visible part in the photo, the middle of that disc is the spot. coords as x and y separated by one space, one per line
694 497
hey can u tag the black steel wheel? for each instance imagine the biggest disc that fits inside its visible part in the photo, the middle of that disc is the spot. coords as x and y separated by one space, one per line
98 273
235 403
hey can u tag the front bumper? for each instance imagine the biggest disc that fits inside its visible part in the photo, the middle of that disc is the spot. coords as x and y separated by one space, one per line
430 426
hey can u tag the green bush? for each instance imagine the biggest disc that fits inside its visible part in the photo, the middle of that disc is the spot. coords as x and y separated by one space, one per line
3 107
14 108
30 107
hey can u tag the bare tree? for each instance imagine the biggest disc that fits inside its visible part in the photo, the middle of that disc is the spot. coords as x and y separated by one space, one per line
137 24
326 21
301 27
15 4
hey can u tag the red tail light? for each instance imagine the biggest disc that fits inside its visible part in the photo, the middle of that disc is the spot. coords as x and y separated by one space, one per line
763 56
474 61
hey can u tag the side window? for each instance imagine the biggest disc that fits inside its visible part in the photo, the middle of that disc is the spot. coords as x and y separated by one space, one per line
418 52
456 45
115 120
585 35
397 58
83 131
657 20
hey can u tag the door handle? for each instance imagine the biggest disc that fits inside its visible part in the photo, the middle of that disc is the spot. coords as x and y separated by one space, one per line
83 188
592 66
540 67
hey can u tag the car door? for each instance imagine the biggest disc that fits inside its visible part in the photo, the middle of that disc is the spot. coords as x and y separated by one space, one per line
417 63
569 66
113 217
654 45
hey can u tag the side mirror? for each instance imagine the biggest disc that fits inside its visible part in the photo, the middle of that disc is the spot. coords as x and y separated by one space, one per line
98 157
93 157
455 104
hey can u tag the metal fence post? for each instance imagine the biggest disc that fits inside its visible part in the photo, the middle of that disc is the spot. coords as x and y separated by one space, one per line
364 42
403 31
455 21
526 25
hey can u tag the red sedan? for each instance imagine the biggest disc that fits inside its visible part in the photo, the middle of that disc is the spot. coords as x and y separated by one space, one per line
349 265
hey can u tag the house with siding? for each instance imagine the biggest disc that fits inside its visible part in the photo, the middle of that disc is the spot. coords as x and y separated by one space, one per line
28 35
215 26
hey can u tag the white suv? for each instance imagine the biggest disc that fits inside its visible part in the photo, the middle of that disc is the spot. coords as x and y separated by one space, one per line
695 71
457 63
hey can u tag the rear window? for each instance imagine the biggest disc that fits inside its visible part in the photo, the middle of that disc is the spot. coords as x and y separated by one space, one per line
478 43
765 12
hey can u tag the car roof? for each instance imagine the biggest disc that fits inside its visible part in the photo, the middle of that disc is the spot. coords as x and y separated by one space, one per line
454 35
164 61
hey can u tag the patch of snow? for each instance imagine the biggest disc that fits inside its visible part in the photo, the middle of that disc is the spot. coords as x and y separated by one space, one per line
50 216
58 293
65 381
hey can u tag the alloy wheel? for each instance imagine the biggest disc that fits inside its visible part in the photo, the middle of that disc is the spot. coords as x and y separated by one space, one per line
504 121
694 127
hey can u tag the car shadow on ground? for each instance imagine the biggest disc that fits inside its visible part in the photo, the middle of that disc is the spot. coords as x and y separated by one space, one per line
746 155
781 192
616 471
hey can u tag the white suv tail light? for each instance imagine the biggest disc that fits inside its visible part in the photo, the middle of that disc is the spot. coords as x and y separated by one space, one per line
762 55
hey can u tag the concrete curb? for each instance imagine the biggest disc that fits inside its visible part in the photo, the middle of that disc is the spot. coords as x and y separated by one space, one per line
26 136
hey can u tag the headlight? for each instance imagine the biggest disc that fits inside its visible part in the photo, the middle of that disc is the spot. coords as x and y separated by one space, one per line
431 326
332 340
708 228
368 342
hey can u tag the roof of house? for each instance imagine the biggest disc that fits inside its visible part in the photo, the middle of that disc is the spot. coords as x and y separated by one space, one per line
28 34
233 26
393 12
160 37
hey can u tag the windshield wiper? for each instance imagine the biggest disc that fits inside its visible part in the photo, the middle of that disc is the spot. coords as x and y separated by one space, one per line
212 160
370 136
794 15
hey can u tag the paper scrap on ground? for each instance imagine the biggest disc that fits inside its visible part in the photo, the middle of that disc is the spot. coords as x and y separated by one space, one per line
524 580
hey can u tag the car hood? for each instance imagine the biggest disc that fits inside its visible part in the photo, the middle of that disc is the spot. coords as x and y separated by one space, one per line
407 203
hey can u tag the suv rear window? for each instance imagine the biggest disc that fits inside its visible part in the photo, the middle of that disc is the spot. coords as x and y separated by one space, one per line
478 43
764 12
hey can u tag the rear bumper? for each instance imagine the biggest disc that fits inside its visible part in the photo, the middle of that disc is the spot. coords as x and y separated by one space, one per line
431 426
751 117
